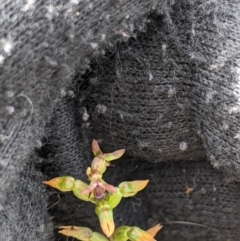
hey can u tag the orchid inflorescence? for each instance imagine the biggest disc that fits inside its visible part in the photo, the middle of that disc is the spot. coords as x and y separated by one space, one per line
105 197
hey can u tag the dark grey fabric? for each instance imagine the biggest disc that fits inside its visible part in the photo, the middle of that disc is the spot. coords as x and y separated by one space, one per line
160 78
213 203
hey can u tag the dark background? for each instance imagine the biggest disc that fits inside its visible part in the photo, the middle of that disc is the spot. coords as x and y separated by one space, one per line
159 78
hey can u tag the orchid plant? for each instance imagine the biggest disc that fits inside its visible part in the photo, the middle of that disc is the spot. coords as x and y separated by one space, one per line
105 197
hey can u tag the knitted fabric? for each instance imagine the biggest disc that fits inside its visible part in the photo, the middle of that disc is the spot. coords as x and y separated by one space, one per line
159 78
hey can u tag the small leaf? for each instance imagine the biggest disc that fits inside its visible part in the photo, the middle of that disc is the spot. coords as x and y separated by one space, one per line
129 189
95 148
80 233
105 216
63 184
114 155
79 186
154 230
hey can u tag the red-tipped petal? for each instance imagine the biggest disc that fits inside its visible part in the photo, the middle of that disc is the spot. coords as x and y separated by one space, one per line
89 189
95 148
109 188
114 155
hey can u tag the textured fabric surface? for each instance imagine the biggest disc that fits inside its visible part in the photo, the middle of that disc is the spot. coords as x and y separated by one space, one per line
213 203
148 111
160 78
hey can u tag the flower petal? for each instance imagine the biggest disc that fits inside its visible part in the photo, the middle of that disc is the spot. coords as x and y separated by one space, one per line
154 230
129 189
80 233
108 187
120 234
114 155
137 234
99 192
98 237
113 199
105 216
79 186
90 188
95 148
99 164
64 184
